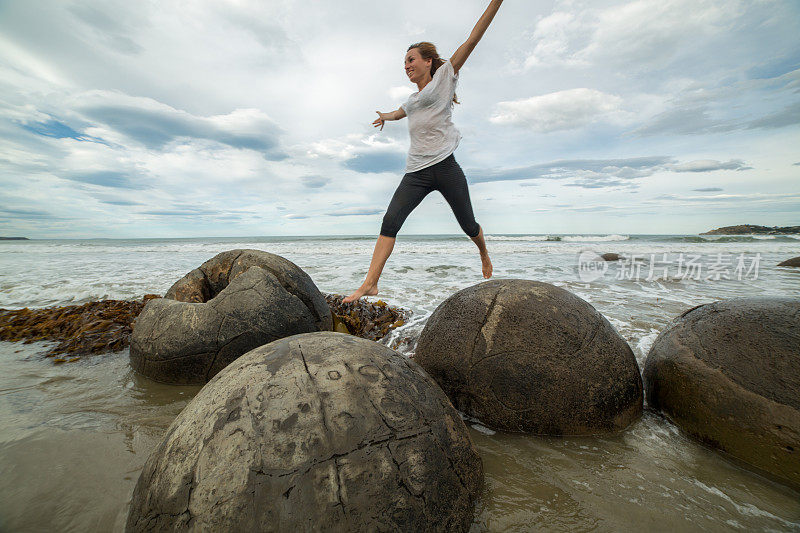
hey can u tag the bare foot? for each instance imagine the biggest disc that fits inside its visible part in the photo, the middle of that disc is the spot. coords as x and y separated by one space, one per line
364 290
487 266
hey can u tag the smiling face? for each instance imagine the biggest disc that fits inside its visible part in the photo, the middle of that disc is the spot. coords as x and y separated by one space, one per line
416 67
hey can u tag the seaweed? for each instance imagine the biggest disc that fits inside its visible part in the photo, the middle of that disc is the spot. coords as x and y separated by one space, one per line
362 318
91 328
106 325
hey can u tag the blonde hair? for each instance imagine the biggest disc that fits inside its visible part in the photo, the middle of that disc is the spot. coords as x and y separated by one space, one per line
428 51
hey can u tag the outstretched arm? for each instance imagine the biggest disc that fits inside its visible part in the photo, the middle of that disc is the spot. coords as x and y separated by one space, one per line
463 52
397 114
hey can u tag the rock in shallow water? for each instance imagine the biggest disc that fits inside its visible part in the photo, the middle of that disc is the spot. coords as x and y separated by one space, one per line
728 373
524 355
234 302
793 262
315 432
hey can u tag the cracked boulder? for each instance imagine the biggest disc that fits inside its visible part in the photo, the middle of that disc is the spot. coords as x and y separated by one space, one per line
728 374
234 302
314 432
528 356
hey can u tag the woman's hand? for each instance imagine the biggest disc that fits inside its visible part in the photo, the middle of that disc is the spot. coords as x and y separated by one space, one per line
394 115
381 118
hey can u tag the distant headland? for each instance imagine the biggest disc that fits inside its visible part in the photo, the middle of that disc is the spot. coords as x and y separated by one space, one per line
751 229
14 239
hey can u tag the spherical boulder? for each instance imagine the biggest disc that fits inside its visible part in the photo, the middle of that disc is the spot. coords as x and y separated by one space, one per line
793 262
232 303
528 356
314 432
728 374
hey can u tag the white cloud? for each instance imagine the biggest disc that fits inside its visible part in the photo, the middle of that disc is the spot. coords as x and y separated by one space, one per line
401 93
751 198
562 110
553 37
599 173
352 145
356 211
708 165
651 31
638 33
22 65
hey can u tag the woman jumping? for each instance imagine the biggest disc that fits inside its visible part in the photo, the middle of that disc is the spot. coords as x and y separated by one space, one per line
431 164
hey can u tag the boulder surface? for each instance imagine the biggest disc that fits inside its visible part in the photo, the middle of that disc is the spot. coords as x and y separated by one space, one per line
232 303
314 432
728 374
528 356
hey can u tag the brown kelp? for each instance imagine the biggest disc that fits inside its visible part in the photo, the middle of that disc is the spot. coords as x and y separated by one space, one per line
90 328
369 320
106 325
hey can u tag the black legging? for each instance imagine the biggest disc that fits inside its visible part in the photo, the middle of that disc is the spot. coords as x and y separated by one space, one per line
446 177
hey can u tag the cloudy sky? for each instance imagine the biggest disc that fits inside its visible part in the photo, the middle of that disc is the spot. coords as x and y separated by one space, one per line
171 118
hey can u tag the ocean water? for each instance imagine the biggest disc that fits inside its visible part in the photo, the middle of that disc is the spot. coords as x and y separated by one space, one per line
74 437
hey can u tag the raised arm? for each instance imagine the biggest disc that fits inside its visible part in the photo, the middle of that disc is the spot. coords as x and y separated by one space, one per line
463 52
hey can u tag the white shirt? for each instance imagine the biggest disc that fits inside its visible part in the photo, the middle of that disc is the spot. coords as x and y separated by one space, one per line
433 135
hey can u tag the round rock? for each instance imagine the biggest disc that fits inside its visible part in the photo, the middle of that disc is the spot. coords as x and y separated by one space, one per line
528 356
234 302
314 432
728 373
